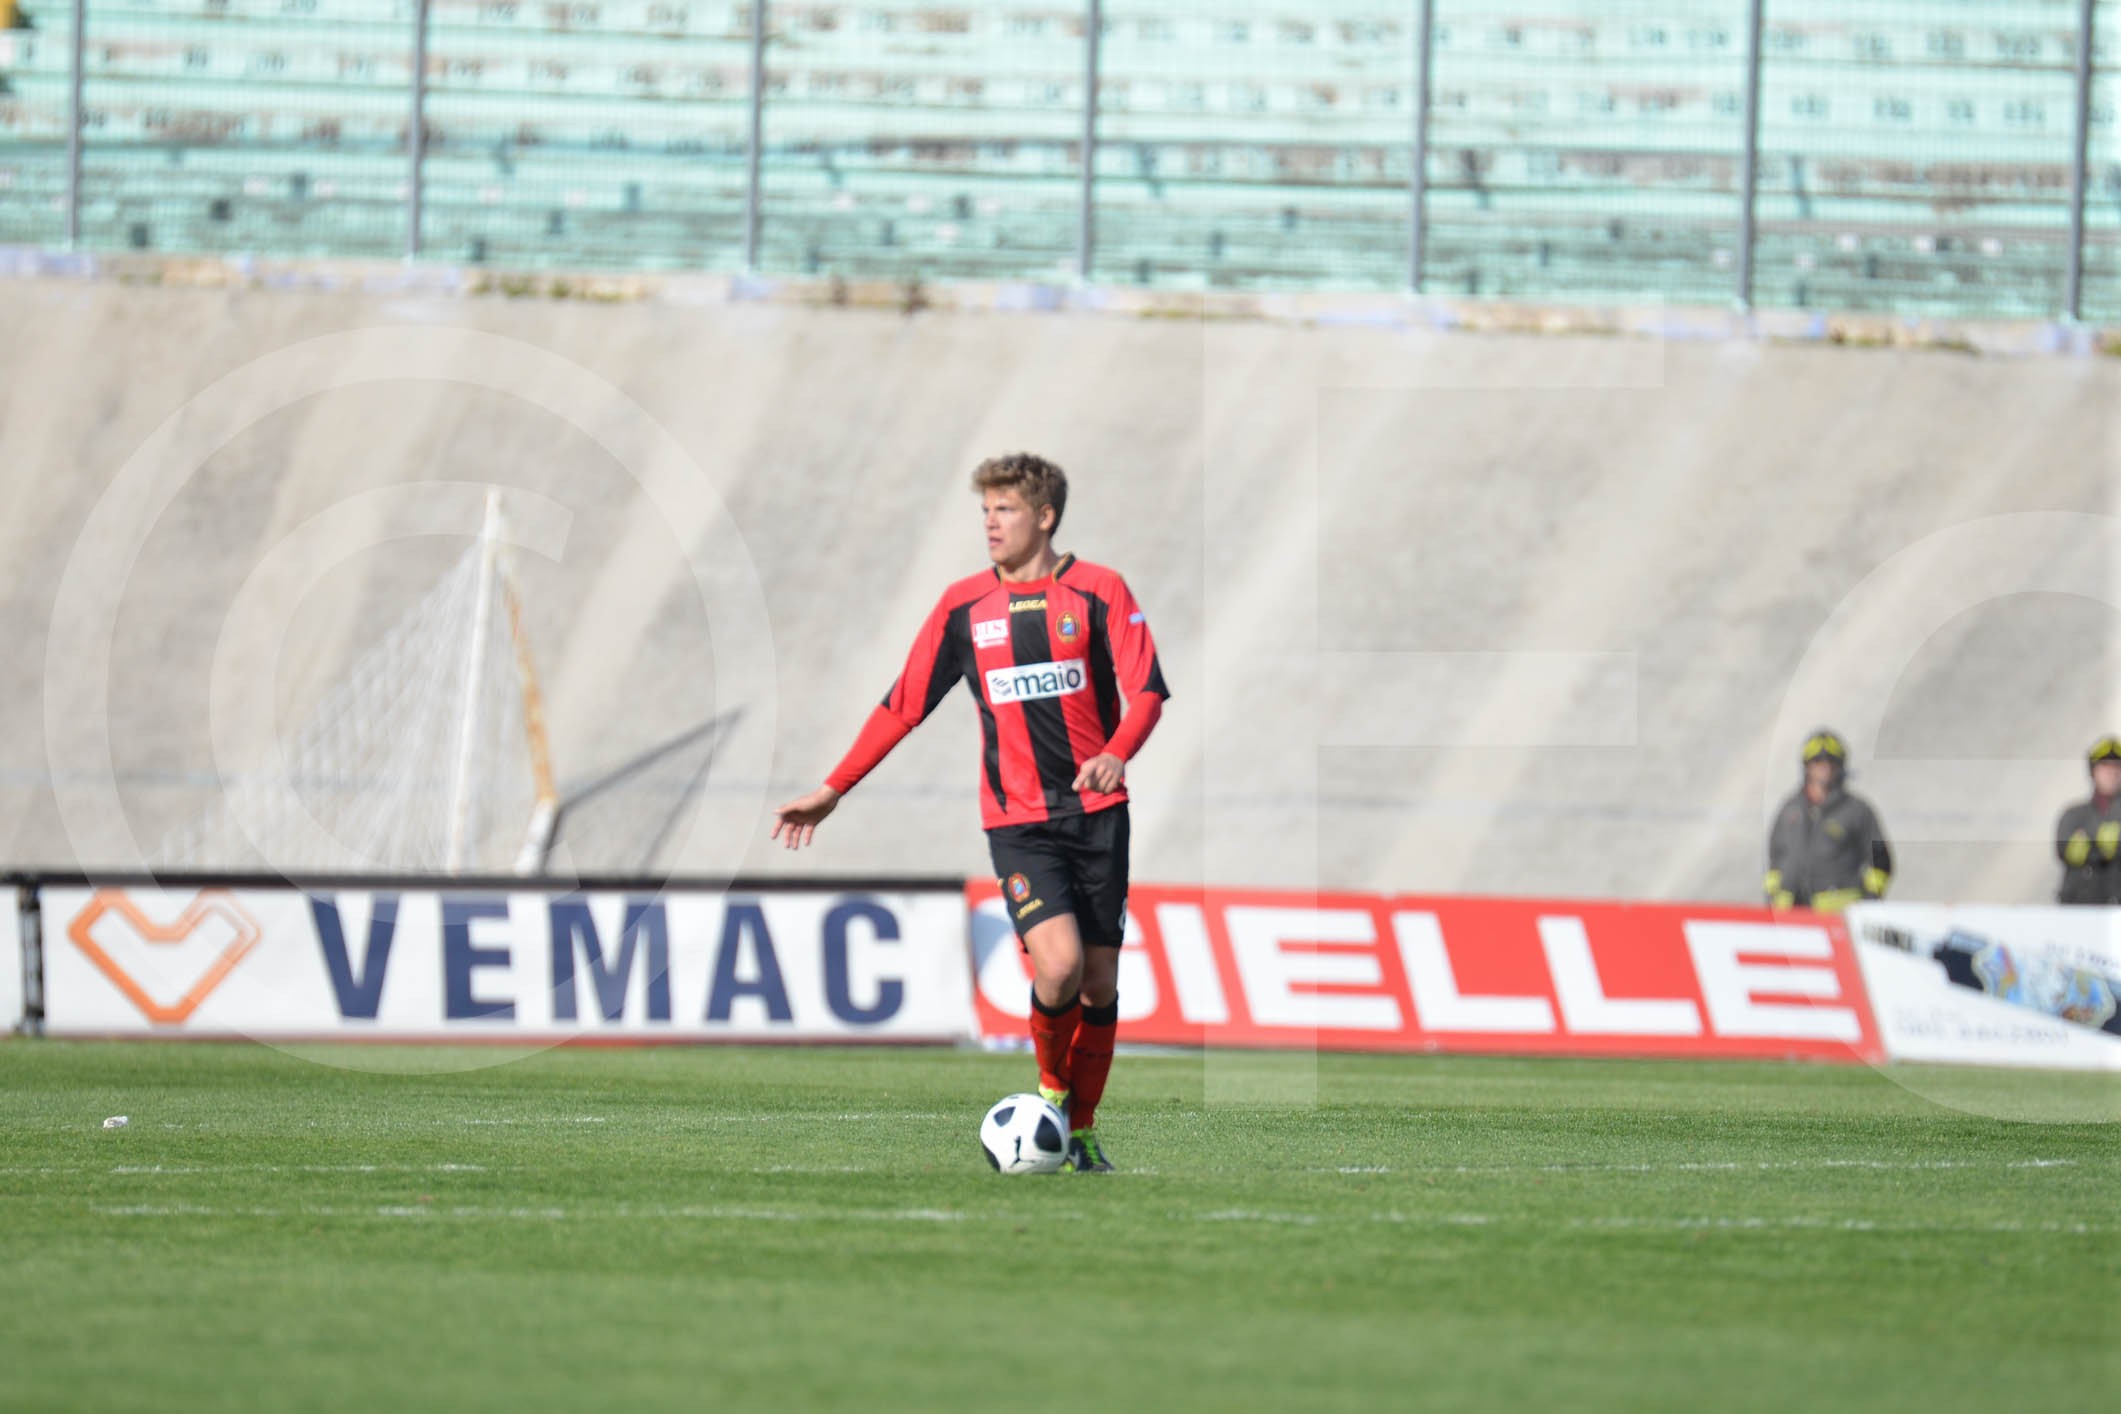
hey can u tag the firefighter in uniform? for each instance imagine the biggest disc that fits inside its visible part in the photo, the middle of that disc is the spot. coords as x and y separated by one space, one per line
2088 836
1827 849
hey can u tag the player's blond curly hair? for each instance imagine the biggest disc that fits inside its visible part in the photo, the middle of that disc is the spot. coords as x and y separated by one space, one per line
1037 480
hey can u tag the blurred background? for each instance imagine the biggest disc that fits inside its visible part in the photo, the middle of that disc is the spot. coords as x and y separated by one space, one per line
1918 156
1524 422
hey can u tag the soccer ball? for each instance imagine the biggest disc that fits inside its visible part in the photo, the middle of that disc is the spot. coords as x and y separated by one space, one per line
1024 1134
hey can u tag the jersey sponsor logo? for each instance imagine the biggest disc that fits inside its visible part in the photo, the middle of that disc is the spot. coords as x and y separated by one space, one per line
989 632
1069 628
1028 682
1024 606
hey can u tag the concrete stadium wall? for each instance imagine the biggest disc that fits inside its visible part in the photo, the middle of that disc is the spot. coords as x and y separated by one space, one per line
1441 611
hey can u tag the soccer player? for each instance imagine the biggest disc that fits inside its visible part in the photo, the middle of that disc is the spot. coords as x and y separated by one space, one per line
1059 657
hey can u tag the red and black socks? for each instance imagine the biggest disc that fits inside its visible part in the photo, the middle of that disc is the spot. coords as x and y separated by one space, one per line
1090 1061
1054 1033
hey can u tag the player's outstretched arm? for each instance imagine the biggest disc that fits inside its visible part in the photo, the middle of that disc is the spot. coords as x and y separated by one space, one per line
795 823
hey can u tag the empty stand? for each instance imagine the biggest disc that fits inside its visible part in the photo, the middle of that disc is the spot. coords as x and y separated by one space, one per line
921 141
1916 157
1914 154
2102 236
33 104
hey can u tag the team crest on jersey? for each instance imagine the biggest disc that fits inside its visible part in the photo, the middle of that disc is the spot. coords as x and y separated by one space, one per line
1069 628
988 632
1019 888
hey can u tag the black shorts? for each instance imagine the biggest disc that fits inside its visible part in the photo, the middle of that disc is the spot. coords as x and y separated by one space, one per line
1076 864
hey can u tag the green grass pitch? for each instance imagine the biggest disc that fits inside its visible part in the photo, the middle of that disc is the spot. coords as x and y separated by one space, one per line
730 1228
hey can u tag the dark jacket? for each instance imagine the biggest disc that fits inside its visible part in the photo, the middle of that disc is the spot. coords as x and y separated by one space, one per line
2088 842
1826 856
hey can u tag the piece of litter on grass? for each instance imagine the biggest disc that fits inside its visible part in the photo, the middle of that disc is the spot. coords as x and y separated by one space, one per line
116 1122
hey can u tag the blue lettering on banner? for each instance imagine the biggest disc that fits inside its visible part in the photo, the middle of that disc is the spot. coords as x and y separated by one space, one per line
890 992
740 920
572 925
360 993
460 959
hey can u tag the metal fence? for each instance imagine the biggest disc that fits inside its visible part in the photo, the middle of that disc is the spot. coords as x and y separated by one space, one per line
1920 156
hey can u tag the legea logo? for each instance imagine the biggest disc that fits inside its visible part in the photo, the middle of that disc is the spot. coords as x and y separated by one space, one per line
165 969
1027 682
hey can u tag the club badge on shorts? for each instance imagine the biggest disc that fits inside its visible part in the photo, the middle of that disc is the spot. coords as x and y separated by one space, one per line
1019 888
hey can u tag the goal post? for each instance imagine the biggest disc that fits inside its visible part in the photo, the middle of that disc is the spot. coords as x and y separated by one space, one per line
545 794
428 755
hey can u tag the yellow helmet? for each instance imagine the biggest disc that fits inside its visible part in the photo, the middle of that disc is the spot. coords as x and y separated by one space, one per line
1825 743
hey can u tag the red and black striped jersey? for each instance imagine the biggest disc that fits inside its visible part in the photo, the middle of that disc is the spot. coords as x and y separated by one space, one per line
1056 666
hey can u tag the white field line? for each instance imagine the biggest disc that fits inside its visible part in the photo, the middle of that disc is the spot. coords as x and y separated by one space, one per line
1735 1222
437 1212
1880 1165
133 1170
1373 1170
1812 1224
756 1170
130 1169
756 1117
799 1116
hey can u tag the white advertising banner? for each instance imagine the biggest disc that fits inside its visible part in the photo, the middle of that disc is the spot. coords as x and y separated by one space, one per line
439 964
1993 985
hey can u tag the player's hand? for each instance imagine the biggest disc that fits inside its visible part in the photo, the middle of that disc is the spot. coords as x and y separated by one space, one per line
796 823
1101 773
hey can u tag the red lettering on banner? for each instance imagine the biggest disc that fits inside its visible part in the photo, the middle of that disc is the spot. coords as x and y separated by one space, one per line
1366 972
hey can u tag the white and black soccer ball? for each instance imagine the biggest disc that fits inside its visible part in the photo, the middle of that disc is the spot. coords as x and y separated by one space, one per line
1024 1134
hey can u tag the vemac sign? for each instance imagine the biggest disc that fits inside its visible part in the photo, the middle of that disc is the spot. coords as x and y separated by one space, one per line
1365 972
456 964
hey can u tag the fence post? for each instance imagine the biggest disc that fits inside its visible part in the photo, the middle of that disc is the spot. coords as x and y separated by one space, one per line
1755 24
416 133
755 138
1418 153
2079 168
74 117
1086 199
29 907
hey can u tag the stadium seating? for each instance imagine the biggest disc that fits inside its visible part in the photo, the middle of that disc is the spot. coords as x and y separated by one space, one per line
1913 156
32 133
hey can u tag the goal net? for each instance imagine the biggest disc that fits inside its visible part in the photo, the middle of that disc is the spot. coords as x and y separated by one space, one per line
427 757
